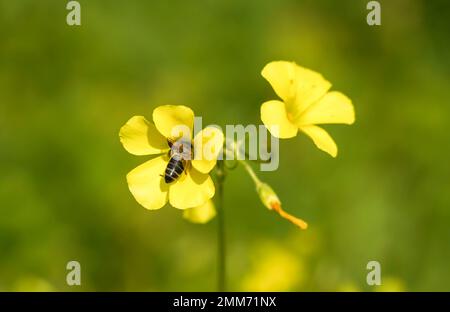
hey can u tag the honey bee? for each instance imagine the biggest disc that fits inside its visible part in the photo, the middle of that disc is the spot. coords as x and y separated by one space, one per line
179 155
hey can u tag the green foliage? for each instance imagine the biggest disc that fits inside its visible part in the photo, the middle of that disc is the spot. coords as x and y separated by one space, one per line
65 92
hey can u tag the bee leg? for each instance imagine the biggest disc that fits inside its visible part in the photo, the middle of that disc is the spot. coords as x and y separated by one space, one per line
187 165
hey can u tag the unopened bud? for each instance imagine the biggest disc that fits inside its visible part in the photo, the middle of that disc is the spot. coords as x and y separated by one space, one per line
270 199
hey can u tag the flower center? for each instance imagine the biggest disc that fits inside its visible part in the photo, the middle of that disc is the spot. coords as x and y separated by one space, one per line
290 117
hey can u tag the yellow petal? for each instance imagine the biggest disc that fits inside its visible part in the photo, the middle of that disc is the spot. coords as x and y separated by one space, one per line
299 87
147 185
208 143
191 190
321 138
173 121
282 77
201 214
140 137
275 118
334 107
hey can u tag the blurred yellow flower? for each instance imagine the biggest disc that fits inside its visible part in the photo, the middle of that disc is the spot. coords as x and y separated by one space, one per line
201 214
348 287
306 103
33 284
391 284
194 187
274 268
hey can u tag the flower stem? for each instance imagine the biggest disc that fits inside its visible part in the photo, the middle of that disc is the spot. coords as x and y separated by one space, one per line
221 250
250 172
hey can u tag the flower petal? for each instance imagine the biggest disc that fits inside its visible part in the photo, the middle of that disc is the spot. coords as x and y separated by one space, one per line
140 137
208 143
201 214
333 107
321 138
173 121
275 118
282 77
299 87
147 185
311 86
191 190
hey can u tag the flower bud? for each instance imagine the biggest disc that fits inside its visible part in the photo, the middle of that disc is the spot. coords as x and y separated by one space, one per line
270 199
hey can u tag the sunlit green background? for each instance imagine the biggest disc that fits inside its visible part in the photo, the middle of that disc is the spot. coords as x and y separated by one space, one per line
65 92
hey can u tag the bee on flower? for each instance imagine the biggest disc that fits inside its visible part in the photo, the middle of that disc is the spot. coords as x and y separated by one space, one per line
179 172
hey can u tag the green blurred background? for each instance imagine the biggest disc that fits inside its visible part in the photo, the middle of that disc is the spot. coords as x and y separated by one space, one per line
65 92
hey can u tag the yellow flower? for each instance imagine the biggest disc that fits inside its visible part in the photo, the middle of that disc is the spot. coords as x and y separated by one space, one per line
201 214
306 103
194 187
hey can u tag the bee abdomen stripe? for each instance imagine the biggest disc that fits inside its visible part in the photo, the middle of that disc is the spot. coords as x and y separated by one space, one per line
178 165
178 169
173 170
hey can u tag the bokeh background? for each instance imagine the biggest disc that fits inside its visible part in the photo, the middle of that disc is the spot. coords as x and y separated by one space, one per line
65 92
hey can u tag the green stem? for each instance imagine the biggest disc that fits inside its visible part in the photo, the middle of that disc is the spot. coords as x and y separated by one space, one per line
221 250
250 172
